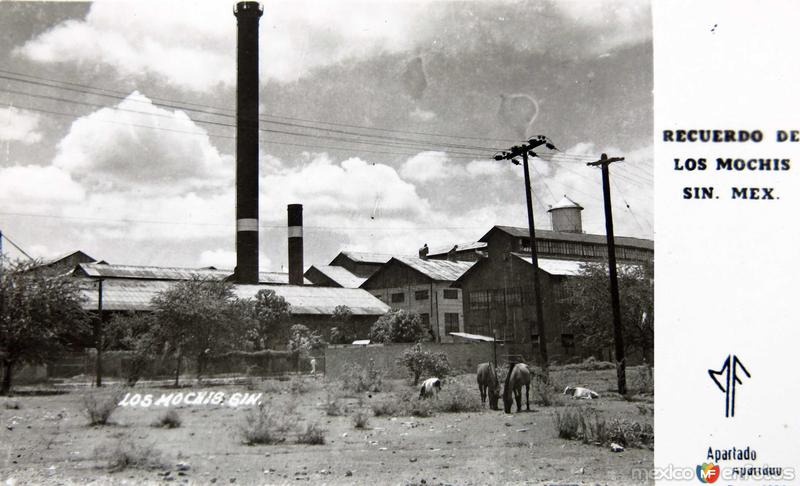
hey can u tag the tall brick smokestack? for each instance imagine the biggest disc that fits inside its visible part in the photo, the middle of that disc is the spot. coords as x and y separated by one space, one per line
295 222
247 17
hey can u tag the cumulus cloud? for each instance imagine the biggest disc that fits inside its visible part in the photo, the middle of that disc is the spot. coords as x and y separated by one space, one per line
352 186
139 146
427 166
19 126
33 187
193 44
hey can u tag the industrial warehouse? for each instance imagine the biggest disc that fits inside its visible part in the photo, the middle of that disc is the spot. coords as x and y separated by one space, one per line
326 244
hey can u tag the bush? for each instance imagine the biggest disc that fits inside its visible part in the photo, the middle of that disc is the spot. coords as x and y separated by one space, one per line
170 420
127 453
629 433
457 398
591 364
360 420
569 424
333 407
397 326
298 386
359 379
100 406
387 407
312 435
420 408
587 425
266 426
421 362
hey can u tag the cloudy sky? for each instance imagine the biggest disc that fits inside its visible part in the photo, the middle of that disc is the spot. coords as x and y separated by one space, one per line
381 118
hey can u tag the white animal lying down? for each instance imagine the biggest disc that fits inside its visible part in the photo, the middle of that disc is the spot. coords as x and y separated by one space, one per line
580 392
430 388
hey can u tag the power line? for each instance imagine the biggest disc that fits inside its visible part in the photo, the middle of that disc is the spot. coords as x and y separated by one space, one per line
5 235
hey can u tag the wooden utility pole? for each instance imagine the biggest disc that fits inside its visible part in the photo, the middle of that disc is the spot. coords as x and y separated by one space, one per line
619 343
98 336
524 150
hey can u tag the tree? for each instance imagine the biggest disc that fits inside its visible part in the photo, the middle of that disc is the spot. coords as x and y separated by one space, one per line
588 298
397 326
302 340
40 316
198 318
418 362
137 333
342 332
270 314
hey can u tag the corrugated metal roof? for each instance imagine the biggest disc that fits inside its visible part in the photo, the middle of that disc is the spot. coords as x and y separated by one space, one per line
340 275
135 295
579 237
364 257
559 267
473 245
565 202
320 300
106 270
441 270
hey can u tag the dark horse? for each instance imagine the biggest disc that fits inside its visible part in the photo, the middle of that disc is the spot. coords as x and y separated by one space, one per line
487 382
518 375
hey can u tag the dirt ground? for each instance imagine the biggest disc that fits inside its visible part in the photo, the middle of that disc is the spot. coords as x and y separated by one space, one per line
47 439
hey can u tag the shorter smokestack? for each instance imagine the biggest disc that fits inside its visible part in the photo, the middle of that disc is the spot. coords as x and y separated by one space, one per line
295 222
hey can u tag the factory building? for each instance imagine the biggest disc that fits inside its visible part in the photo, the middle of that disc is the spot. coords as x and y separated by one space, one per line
423 286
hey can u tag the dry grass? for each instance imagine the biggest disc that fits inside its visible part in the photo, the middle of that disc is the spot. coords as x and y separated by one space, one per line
169 420
264 425
99 406
360 420
126 454
312 435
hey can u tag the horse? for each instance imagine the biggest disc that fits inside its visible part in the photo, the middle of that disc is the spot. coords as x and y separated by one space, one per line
580 392
487 382
430 388
518 375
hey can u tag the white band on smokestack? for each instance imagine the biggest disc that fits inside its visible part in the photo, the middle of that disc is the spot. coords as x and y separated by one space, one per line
247 224
295 231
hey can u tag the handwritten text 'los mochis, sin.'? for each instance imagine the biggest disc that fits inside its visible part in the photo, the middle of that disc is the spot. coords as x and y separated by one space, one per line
190 398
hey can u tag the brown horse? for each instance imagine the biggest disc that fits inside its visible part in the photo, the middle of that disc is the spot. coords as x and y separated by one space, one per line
518 375
487 383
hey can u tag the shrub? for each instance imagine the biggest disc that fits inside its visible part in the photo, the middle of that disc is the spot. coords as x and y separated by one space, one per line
591 364
266 426
359 379
397 326
569 424
100 406
298 386
387 407
11 405
333 408
643 380
421 362
360 419
420 408
456 398
170 420
127 453
630 433
312 435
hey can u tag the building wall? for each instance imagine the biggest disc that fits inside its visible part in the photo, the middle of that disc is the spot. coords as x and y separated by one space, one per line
462 357
498 296
398 279
501 243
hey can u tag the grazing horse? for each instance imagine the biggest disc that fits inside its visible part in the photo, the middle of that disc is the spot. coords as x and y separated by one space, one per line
430 388
487 382
518 375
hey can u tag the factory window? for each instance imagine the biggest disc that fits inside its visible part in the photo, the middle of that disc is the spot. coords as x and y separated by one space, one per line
535 339
426 320
450 322
479 299
450 294
421 295
398 297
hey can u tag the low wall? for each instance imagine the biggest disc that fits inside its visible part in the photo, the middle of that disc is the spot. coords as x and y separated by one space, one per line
463 357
